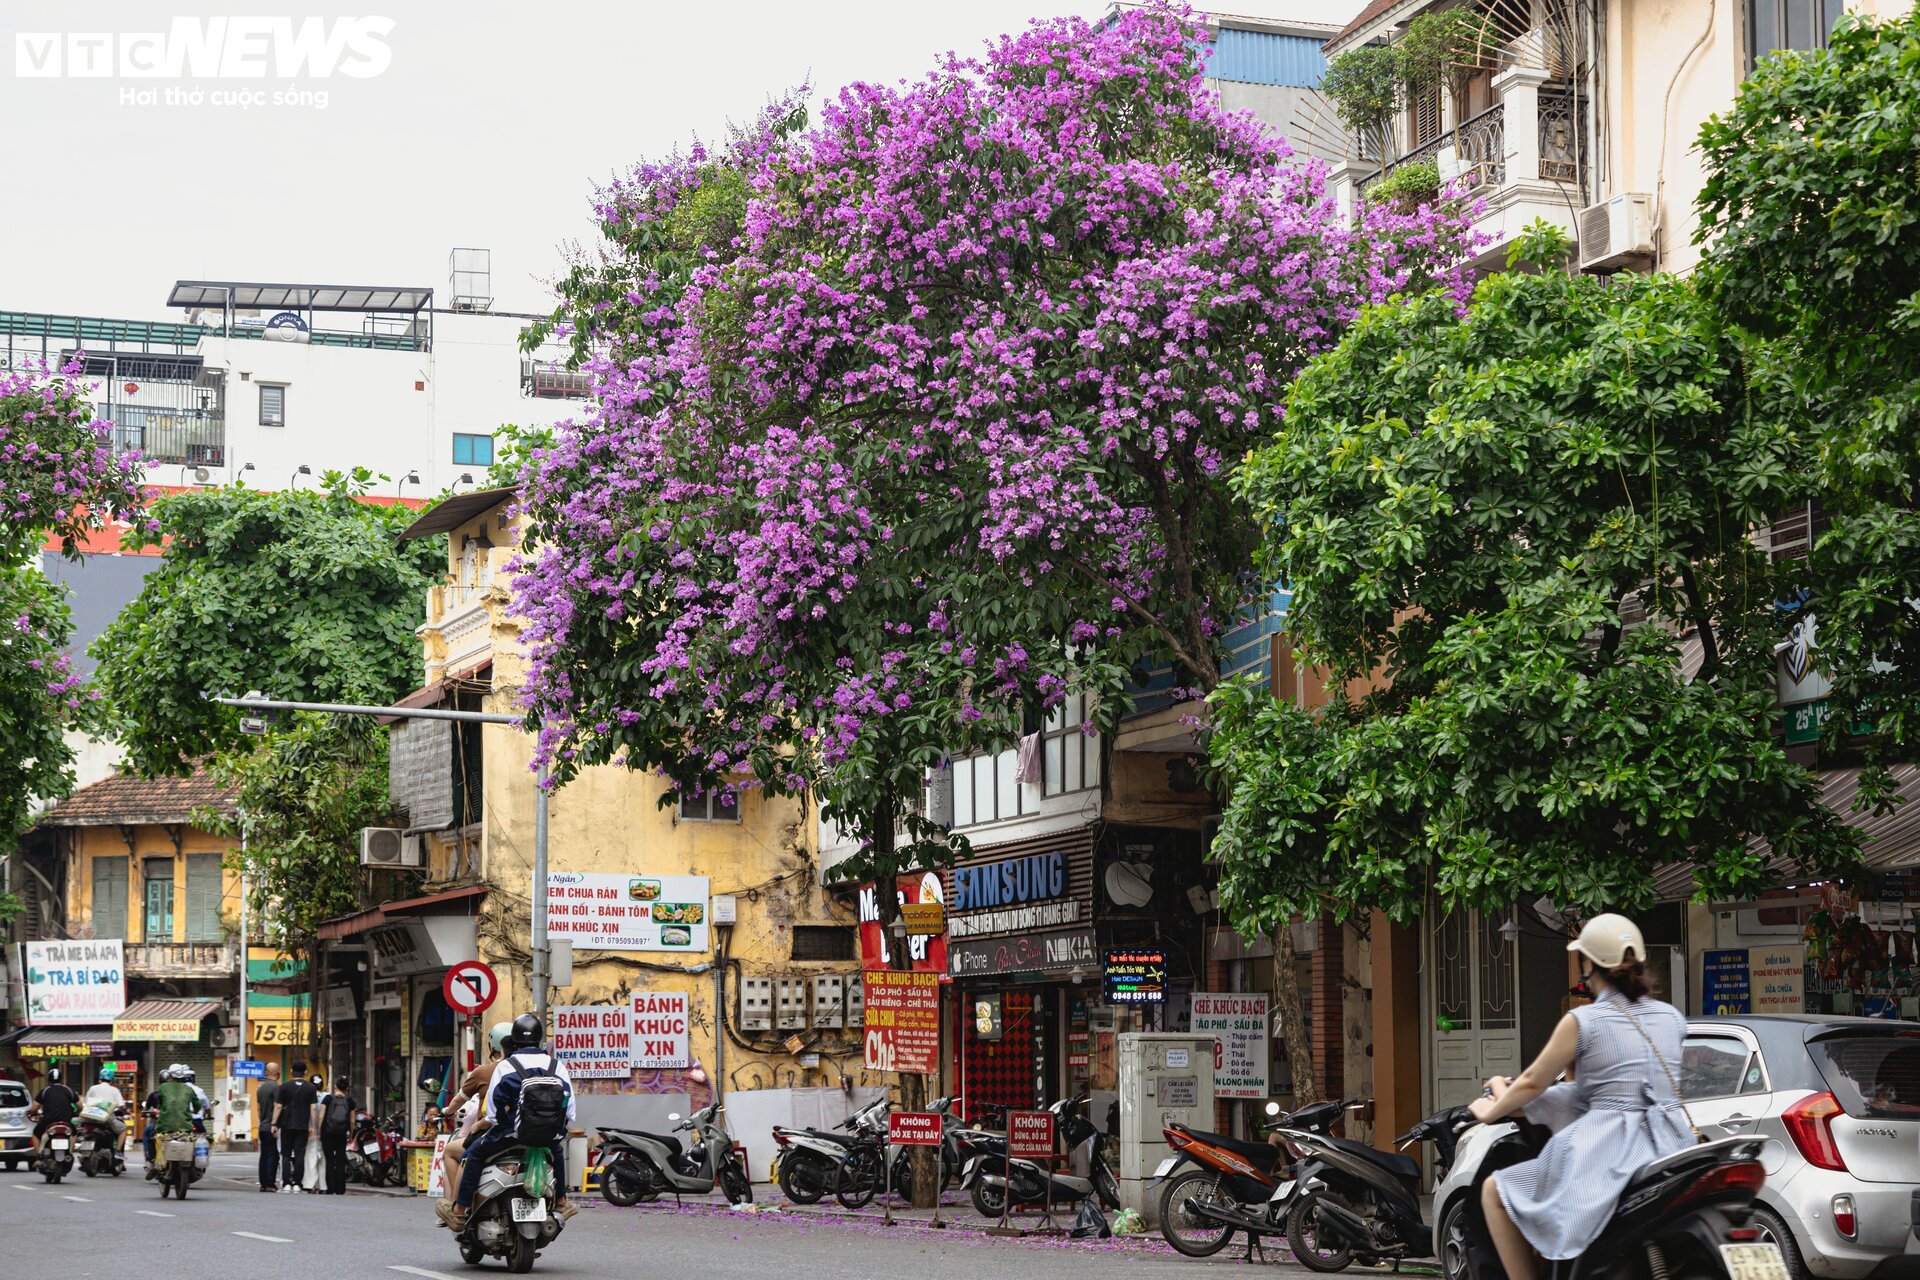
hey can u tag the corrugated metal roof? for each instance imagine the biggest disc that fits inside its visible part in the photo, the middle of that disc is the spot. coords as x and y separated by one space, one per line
1892 839
64 1035
1260 57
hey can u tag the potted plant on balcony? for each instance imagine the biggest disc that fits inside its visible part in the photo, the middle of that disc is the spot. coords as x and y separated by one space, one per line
1364 85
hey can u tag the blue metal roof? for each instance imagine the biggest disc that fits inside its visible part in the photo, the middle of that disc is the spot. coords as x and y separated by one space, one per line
1261 57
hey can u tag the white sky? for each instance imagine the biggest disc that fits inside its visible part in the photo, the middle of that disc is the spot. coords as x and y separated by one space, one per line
490 128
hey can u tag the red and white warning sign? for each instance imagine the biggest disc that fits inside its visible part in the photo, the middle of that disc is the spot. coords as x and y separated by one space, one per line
469 987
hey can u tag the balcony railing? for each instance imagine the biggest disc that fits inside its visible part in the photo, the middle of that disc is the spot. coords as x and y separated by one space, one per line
180 959
1563 118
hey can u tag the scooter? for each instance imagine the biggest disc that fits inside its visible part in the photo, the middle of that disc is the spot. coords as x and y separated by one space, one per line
636 1166
1356 1202
373 1152
1233 1185
810 1164
56 1152
513 1215
98 1149
1026 1182
1683 1215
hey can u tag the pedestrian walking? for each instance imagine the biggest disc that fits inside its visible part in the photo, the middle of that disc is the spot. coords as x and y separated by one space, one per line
336 1118
264 1101
294 1118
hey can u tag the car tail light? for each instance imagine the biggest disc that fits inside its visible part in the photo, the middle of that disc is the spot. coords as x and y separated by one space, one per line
1743 1175
1843 1215
1810 1124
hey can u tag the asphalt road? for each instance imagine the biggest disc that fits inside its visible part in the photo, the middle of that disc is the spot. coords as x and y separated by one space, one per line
227 1230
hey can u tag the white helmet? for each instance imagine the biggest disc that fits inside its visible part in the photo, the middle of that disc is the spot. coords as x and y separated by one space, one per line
1607 939
497 1037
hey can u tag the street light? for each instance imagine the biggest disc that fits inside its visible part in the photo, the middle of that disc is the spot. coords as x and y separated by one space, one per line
412 477
466 477
294 479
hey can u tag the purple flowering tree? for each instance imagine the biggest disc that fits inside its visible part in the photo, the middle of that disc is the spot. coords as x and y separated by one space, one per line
916 418
59 480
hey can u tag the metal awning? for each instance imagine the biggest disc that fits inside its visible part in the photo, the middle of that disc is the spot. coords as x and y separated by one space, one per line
65 1042
163 1019
1891 840
451 513
464 900
243 295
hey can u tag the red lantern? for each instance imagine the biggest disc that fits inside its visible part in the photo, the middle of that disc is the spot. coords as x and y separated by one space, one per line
131 387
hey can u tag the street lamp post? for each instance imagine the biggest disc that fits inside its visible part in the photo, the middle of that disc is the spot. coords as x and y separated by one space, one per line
541 962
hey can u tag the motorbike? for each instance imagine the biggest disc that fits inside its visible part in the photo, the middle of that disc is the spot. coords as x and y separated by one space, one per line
1683 1216
56 1152
97 1148
993 1180
1356 1202
1233 1185
809 1164
514 1215
635 1166
373 1152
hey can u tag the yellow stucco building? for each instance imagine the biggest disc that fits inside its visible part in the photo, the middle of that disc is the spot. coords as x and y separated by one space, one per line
712 910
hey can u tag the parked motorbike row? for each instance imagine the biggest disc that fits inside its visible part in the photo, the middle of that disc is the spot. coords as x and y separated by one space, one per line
373 1150
1340 1201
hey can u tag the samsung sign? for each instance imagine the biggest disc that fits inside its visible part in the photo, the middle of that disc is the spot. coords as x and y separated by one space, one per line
1011 883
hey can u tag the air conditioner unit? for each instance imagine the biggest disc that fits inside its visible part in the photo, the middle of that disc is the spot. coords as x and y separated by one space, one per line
1617 233
389 847
226 1037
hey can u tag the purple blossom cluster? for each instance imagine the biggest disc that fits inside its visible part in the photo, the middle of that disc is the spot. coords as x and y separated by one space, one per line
59 473
921 413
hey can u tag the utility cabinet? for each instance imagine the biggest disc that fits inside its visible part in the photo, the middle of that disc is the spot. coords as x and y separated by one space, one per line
756 1004
1165 1078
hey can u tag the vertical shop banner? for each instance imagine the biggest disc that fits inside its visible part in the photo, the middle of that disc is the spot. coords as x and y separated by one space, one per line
628 912
903 1021
75 984
876 945
1778 976
1242 1041
594 1040
1725 984
660 1038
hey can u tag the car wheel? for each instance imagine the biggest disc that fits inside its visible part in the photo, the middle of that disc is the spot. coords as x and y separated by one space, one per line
1453 1240
1774 1230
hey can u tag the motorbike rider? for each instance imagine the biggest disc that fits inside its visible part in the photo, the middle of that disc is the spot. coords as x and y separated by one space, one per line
106 1095
525 1058
57 1104
1621 1111
470 1104
177 1103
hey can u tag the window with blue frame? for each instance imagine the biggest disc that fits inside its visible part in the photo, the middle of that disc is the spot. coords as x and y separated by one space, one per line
472 451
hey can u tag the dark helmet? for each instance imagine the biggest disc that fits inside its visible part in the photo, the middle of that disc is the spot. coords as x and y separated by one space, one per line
527 1032
53 1073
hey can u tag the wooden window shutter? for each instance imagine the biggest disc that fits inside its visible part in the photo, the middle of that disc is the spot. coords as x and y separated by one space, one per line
203 897
109 897
1426 117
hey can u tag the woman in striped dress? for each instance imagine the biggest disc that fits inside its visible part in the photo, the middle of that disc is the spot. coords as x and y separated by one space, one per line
1620 1111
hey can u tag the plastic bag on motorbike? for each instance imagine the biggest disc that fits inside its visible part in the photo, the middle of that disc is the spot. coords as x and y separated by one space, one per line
1091 1224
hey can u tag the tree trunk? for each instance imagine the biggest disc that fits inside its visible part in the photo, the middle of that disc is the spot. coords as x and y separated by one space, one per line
1292 1018
923 1163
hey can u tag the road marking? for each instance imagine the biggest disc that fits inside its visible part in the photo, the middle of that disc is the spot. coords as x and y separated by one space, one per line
77 1199
422 1271
21 1186
254 1235
153 1213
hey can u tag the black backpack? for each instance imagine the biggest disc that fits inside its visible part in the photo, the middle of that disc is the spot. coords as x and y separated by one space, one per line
337 1116
540 1118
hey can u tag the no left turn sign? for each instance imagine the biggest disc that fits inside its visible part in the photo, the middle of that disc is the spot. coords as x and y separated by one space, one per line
469 987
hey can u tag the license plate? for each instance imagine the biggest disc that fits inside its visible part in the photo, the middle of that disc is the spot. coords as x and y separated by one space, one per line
370 1148
1754 1262
536 1211
1166 1166
58 1144
1281 1192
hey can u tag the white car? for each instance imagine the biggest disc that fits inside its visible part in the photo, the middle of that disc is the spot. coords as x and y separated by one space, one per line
1838 1100
16 1131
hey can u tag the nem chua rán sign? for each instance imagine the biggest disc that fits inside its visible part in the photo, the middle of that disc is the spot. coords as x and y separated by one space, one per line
594 1040
628 912
75 984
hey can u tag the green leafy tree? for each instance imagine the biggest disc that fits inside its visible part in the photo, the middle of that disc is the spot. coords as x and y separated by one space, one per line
303 595
1812 215
1520 543
1366 88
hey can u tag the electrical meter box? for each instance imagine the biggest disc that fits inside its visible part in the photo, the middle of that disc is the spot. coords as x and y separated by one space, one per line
790 1004
829 1001
756 1004
1165 1078
856 1003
